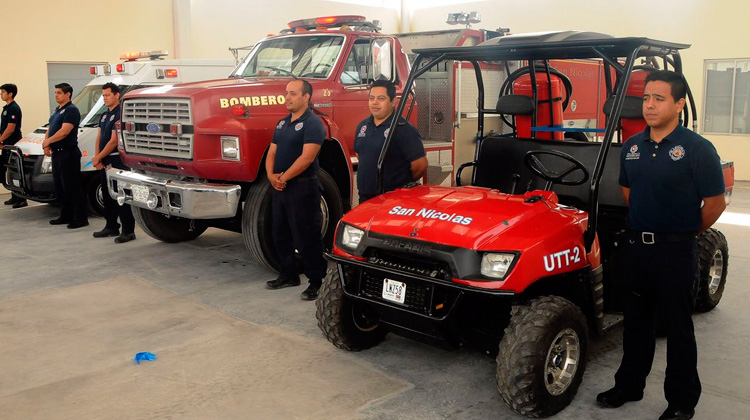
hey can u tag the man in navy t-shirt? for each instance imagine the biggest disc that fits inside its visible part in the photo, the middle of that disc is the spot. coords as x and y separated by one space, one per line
107 157
292 168
666 173
405 161
10 132
61 142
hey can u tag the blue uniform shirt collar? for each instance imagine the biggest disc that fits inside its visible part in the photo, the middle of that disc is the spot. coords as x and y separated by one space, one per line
669 137
387 122
305 115
64 106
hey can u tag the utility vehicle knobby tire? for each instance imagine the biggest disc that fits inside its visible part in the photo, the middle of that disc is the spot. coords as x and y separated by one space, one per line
713 262
93 192
341 320
167 229
257 218
529 344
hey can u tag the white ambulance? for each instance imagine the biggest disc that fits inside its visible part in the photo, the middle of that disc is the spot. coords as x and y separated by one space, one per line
29 173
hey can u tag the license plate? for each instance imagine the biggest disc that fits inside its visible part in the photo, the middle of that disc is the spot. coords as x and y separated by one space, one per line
140 193
17 183
393 290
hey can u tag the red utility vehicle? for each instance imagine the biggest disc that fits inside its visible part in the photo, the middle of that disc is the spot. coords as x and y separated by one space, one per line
524 262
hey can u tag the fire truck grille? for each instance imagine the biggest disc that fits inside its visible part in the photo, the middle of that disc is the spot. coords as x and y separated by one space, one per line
151 120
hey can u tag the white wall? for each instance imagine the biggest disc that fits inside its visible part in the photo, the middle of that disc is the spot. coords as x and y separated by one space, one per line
716 29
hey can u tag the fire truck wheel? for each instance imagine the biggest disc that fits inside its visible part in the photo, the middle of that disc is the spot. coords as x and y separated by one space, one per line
542 356
345 323
256 224
167 229
94 197
713 262
256 218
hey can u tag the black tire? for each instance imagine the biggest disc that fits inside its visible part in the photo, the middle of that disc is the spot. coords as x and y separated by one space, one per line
257 218
540 333
713 262
345 323
93 192
167 229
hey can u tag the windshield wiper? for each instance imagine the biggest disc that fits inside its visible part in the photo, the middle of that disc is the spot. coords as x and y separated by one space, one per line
281 70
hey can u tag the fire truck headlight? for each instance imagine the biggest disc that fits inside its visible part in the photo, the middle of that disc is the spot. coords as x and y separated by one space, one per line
46 165
351 237
230 148
496 265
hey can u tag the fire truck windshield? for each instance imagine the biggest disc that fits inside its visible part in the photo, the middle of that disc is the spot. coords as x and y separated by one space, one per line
295 56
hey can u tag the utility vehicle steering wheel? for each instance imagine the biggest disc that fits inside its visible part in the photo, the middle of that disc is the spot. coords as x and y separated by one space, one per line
555 177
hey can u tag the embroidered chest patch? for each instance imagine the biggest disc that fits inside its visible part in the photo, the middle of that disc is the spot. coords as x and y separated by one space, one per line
677 153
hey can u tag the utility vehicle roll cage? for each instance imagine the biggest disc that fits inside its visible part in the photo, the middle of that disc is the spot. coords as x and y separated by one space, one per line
618 54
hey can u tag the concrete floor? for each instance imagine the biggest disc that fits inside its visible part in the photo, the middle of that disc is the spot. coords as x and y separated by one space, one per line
74 310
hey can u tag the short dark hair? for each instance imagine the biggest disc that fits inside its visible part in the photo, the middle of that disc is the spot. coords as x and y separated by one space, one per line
10 88
111 86
65 88
675 80
306 88
390 88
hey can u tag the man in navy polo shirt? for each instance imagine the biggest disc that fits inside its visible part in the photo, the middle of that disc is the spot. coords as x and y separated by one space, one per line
10 133
107 157
61 142
405 161
665 173
292 168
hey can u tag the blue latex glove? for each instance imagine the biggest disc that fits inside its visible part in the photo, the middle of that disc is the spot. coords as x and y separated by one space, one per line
144 356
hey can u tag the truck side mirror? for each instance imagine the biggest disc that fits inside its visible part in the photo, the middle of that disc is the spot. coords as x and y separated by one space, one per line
382 63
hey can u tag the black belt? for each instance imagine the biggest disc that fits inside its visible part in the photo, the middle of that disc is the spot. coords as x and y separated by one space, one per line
302 179
650 238
62 149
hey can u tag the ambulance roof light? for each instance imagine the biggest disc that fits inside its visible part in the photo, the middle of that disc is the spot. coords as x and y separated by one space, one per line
153 55
92 69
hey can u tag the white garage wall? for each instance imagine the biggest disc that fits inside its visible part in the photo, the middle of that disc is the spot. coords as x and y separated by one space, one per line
716 29
37 31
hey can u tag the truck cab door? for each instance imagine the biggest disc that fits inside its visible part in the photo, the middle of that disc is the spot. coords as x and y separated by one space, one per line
368 59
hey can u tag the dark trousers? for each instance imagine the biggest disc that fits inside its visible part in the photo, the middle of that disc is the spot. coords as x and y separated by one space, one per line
296 224
112 210
66 174
661 275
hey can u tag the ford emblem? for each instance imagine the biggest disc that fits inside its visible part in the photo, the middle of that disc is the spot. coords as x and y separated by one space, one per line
153 128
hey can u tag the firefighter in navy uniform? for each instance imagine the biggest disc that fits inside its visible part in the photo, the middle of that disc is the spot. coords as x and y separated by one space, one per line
107 157
665 173
292 168
61 142
10 133
405 161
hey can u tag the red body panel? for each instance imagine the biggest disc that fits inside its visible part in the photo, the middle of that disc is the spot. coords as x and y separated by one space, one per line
483 220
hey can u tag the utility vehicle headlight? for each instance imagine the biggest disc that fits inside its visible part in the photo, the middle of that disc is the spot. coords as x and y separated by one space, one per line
351 236
496 265
46 165
230 148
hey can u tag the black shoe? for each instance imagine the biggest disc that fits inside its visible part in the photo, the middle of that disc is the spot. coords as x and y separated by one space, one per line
106 232
59 221
281 283
311 293
19 204
12 200
125 237
675 414
75 224
616 397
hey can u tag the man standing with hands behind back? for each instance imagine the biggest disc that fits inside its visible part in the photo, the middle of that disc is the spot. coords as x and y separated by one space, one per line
666 172
107 157
10 132
292 168
61 142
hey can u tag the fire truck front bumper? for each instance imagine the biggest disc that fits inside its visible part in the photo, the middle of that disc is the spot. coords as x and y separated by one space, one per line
174 198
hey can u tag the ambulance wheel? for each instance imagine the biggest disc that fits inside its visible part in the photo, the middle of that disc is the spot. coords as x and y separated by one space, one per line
713 262
257 218
542 356
167 229
346 323
94 195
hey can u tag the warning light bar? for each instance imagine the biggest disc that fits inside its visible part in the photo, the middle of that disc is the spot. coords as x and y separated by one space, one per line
132 56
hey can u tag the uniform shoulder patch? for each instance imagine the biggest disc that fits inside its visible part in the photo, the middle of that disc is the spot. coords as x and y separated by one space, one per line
677 152
281 124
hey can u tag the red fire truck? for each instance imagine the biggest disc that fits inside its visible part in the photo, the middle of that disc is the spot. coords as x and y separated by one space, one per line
197 150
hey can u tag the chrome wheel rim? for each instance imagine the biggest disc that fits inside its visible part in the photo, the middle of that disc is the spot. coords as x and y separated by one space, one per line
325 217
716 272
562 361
